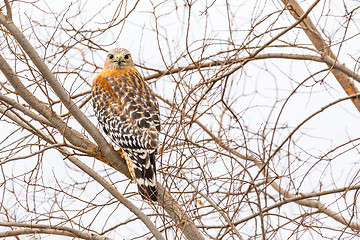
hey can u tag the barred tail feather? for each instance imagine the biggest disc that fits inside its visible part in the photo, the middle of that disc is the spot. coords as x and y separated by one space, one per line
145 174
146 182
148 192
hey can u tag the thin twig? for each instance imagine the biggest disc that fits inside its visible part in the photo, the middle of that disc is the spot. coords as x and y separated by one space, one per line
227 219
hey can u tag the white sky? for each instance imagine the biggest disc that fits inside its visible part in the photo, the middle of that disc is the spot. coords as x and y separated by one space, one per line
257 88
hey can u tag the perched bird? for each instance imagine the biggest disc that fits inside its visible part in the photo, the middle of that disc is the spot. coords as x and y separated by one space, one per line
129 114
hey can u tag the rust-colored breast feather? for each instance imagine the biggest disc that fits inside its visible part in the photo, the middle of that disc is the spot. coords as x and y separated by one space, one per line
126 108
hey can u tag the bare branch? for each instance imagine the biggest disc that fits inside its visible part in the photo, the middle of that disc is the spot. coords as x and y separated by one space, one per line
24 110
320 44
108 152
70 134
334 64
227 219
8 10
112 190
47 229
250 149
308 118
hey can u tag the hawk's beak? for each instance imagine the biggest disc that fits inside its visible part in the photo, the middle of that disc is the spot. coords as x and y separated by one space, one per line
119 59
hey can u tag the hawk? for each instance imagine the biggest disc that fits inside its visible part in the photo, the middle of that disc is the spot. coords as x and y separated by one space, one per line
128 112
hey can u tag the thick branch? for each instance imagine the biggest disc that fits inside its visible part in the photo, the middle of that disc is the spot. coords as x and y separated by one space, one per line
8 10
111 189
107 151
114 192
70 134
321 45
177 214
170 205
24 109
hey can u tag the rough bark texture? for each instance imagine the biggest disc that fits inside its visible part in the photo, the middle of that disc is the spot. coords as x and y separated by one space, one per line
321 45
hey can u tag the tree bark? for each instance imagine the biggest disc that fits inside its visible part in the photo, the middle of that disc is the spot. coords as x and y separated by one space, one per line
320 44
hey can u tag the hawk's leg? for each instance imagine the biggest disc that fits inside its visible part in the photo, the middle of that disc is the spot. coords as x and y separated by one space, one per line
129 162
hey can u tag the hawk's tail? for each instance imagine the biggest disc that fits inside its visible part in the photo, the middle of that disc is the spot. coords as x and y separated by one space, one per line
145 174
148 192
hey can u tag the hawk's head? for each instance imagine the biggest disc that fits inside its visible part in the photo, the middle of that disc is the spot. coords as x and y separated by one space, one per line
118 58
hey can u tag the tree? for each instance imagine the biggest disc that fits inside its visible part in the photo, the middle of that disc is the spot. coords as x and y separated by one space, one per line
258 139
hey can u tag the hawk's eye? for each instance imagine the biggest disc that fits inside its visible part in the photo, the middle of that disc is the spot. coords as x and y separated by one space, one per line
127 56
111 56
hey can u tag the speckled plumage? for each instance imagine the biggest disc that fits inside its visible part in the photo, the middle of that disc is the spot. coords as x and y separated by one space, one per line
129 114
